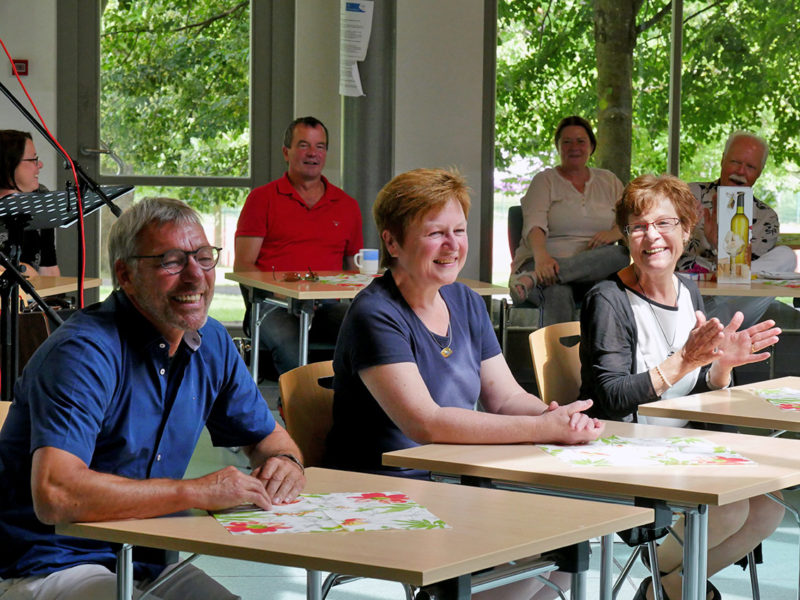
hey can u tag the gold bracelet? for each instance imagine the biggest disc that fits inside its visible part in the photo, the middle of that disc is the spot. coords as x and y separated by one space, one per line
664 377
292 458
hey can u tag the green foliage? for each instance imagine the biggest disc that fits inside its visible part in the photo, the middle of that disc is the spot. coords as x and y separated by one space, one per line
175 89
545 71
741 70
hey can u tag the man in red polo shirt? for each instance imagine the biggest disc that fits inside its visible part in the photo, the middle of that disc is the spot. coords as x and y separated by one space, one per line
296 223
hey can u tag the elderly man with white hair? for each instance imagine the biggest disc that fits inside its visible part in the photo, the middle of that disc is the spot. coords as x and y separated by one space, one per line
742 163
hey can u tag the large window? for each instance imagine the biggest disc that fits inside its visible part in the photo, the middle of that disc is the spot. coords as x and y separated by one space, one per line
740 71
178 98
174 88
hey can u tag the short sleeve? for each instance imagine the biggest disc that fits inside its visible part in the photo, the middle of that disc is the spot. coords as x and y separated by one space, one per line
374 333
253 218
536 204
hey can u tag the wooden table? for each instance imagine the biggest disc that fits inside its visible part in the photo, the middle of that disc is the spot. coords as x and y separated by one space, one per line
50 285
294 292
755 289
689 489
488 528
738 406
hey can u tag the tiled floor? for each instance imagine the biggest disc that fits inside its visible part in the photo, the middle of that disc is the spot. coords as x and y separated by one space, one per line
778 575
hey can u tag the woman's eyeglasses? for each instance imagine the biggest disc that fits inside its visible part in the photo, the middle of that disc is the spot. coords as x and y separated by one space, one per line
35 159
174 261
664 225
293 276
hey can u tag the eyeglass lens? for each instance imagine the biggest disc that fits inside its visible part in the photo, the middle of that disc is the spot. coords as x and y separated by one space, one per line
175 261
662 226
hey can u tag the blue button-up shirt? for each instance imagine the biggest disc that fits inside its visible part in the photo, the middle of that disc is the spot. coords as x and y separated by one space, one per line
104 389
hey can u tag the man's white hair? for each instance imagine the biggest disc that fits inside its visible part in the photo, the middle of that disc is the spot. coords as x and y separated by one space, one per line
747 134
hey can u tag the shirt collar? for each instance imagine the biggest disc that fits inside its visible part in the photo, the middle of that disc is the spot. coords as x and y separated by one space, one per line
139 330
285 188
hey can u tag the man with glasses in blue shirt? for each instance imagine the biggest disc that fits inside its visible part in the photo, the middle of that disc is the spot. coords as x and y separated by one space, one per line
107 414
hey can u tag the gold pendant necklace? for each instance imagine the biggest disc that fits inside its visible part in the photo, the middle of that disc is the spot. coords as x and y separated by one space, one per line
445 350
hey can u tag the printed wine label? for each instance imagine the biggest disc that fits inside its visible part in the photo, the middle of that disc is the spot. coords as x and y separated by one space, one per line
734 227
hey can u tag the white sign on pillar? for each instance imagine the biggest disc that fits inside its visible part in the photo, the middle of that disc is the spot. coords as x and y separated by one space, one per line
355 26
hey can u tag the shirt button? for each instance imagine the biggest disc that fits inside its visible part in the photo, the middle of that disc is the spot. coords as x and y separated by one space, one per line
162 371
162 345
158 458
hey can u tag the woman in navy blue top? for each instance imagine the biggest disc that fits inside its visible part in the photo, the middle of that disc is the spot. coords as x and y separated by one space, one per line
417 350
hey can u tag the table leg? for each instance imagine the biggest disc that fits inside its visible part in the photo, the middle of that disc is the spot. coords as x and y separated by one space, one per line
306 314
125 572
255 337
503 325
313 585
695 552
606 567
457 588
578 588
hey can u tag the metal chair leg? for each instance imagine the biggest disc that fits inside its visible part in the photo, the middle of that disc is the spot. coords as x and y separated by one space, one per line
751 564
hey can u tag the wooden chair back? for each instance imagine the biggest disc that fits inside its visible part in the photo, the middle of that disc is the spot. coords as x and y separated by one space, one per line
556 362
308 408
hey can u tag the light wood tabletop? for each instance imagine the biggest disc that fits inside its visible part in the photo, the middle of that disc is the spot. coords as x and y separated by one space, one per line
754 289
488 528
778 467
739 406
51 285
290 292
316 290
690 489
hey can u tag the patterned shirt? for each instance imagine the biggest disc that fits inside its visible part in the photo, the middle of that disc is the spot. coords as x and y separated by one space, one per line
701 255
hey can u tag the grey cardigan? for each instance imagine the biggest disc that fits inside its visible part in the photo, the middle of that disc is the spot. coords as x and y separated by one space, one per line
608 350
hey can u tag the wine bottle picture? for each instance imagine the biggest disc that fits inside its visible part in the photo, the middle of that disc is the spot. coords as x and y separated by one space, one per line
739 241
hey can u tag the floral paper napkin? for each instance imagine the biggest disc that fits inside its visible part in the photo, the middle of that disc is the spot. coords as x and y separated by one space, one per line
353 511
616 451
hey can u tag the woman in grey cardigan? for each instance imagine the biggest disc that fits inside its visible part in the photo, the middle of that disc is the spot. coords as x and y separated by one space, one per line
644 337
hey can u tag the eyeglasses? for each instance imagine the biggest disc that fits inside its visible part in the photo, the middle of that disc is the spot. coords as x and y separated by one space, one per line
35 159
664 225
290 277
174 261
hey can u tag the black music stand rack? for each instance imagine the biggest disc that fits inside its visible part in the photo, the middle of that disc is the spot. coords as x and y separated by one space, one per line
18 213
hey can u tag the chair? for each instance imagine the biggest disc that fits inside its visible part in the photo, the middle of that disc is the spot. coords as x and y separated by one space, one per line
308 408
555 351
308 413
514 236
557 367
556 363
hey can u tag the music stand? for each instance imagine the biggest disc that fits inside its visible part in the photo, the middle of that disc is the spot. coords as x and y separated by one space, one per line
18 213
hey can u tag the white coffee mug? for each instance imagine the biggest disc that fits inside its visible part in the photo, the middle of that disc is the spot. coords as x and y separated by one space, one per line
367 261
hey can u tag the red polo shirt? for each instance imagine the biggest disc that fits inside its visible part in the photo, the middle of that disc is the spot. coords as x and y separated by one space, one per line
297 237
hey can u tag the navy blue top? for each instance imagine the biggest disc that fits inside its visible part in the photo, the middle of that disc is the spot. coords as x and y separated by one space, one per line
380 329
104 388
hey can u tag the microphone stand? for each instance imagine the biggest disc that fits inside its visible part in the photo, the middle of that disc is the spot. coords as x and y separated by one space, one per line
10 282
16 219
83 177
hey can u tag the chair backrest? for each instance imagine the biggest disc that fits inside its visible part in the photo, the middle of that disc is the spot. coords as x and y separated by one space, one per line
514 228
4 406
308 408
556 362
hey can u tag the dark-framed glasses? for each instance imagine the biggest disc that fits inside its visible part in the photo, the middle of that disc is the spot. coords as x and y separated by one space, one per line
663 225
174 261
35 159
